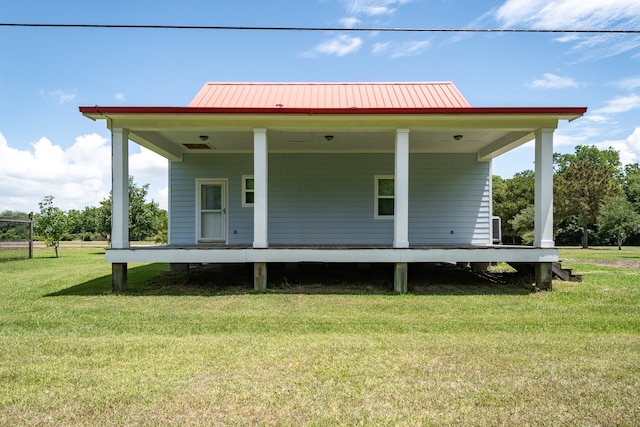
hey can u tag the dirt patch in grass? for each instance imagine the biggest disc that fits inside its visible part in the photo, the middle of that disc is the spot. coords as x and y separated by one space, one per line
632 265
322 278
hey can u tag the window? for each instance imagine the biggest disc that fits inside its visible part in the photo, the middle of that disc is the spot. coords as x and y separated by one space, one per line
385 196
247 191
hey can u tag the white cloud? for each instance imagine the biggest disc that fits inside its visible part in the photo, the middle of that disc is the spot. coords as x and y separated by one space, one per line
620 104
61 96
349 22
340 45
373 7
628 148
585 134
381 48
77 176
147 165
119 96
399 50
578 15
630 83
568 38
411 48
552 81
597 118
568 14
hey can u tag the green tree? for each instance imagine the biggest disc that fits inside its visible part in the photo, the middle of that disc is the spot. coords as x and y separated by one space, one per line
524 225
608 160
631 184
84 224
145 218
618 219
583 182
510 197
50 224
15 230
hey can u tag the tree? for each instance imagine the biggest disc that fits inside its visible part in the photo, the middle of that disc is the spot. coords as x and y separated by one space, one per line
84 224
510 197
631 184
618 219
51 223
145 219
608 160
583 182
16 230
524 225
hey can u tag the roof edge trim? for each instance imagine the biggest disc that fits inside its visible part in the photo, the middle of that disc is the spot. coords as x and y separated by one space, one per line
93 111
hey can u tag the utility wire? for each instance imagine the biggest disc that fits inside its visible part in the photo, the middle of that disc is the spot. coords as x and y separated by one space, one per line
250 28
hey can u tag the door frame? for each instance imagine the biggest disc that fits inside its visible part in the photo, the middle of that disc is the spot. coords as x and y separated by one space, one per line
224 183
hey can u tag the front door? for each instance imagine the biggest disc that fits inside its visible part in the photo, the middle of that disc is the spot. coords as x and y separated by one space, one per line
212 222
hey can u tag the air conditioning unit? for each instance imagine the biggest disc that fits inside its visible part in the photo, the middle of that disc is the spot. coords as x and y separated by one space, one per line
496 228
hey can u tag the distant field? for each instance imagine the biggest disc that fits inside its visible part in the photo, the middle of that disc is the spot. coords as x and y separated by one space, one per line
73 354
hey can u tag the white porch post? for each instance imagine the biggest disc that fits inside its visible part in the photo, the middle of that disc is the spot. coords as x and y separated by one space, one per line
120 188
401 207
260 195
119 204
543 235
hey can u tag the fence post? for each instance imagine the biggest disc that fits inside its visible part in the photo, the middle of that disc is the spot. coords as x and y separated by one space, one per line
30 235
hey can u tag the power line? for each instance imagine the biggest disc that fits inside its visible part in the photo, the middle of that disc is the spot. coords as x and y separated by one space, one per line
373 29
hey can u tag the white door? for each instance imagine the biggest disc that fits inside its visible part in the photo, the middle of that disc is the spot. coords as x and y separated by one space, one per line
212 212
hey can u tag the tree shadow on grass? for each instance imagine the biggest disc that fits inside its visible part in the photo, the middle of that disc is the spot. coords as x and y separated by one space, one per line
310 279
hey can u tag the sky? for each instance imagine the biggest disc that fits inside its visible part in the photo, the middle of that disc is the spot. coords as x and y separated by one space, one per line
48 148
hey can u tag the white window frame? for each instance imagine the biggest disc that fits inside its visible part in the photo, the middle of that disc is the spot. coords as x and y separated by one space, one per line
377 196
245 190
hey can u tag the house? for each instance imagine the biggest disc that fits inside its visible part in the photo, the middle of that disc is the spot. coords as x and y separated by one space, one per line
331 172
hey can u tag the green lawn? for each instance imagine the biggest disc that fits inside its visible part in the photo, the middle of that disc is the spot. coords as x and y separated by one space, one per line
71 353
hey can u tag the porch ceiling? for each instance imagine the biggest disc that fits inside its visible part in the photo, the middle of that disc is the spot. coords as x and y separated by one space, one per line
325 140
487 133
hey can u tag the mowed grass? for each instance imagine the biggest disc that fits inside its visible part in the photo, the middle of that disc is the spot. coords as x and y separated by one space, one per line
71 353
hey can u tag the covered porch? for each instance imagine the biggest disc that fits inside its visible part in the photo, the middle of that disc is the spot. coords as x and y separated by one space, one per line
400 251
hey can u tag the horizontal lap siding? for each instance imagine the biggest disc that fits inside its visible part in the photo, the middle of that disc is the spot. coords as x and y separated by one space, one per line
329 198
449 193
326 199
183 198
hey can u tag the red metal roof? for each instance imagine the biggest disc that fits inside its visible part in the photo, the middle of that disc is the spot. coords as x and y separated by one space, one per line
339 96
332 98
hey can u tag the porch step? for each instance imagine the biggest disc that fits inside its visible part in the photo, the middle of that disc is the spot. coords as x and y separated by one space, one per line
564 274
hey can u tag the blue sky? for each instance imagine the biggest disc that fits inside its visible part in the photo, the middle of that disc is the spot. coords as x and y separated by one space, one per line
48 148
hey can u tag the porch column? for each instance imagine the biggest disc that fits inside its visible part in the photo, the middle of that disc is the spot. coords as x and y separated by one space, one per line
119 203
401 200
543 211
260 192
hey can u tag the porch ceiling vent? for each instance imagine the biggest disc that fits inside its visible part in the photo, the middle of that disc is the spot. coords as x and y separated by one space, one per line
197 146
